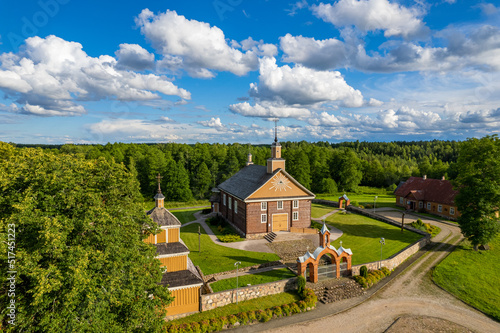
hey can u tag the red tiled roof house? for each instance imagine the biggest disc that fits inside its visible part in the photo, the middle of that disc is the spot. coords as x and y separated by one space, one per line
433 196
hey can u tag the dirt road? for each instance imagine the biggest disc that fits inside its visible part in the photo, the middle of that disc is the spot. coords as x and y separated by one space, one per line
410 294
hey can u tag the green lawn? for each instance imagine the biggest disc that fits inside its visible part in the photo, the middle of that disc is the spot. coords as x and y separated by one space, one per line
216 258
365 195
253 304
473 276
253 279
362 235
185 215
318 210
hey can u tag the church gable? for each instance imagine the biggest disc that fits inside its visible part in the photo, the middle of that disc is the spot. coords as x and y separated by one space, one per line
281 185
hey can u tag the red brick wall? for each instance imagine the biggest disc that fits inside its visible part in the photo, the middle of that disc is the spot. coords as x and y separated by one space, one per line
254 224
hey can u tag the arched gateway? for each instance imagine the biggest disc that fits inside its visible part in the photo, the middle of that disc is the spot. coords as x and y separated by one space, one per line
340 258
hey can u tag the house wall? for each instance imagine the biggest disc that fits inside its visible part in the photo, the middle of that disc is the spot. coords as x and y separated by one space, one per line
185 300
174 264
173 235
434 208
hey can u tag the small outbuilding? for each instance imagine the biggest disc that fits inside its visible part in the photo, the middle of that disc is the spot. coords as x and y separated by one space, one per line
344 202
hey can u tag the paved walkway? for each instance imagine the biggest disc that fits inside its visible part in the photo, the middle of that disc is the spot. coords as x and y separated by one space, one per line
259 245
334 232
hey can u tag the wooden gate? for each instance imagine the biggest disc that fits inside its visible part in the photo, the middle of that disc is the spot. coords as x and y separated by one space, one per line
280 222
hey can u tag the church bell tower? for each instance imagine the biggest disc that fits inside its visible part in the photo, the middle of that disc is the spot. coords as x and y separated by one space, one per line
275 162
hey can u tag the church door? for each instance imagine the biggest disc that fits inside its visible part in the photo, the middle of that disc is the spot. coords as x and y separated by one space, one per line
280 222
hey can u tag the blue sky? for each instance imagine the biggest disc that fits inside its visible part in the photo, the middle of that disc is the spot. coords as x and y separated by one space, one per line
219 71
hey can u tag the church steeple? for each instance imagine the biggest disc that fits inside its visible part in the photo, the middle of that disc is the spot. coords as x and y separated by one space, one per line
275 162
159 198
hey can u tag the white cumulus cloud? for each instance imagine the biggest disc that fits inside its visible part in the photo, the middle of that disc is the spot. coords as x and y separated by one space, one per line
198 47
50 75
371 15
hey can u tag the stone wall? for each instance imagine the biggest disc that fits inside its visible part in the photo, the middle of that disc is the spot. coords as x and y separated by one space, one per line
326 202
215 300
395 260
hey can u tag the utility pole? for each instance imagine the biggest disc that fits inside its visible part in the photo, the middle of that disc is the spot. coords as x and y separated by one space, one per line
237 264
199 239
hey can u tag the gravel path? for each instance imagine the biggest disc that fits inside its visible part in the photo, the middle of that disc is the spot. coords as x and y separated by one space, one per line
411 293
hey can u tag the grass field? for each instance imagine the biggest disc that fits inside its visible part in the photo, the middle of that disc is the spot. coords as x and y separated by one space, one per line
216 258
318 210
473 276
174 204
253 304
362 235
228 228
252 279
185 215
365 195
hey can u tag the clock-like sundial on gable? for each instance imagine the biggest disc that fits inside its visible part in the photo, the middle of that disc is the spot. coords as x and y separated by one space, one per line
280 182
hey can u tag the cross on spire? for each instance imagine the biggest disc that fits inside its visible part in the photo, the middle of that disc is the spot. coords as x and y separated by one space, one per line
158 177
276 130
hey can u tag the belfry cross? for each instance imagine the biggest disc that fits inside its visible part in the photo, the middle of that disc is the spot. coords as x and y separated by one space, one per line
159 180
276 130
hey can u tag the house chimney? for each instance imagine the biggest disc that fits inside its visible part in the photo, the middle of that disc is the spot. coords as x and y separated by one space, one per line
249 161
424 177
442 178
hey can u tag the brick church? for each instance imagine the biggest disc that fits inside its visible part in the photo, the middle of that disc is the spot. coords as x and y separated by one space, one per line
261 199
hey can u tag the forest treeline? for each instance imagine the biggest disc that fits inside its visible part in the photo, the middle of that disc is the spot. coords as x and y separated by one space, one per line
190 171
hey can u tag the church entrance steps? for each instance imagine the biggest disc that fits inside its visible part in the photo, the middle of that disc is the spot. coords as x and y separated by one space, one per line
270 237
333 290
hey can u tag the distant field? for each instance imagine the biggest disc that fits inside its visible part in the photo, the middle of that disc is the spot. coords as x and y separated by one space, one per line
362 235
365 195
171 204
473 276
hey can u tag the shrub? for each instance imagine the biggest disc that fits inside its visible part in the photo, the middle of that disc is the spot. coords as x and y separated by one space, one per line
251 316
386 271
302 305
355 203
216 324
268 315
361 280
232 319
223 320
363 271
294 308
259 314
173 328
368 206
310 297
205 326
242 318
277 311
392 188
184 327
195 327
206 211
229 238
301 284
361 206
286 309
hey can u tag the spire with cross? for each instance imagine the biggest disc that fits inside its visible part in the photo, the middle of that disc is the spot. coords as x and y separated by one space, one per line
276 130
158 177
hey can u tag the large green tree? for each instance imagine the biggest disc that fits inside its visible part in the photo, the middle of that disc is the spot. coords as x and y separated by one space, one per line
478 180
80 260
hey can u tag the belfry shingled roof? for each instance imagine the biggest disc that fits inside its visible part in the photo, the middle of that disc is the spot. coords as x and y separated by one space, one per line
163 217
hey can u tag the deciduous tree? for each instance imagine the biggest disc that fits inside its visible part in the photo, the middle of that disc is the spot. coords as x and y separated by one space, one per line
479 183
80 258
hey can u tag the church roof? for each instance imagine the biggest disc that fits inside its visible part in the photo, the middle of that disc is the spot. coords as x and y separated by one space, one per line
163 217
250 178
170 248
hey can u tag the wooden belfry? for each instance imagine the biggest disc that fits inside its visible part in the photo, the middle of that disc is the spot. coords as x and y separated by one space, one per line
312 260
159 197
